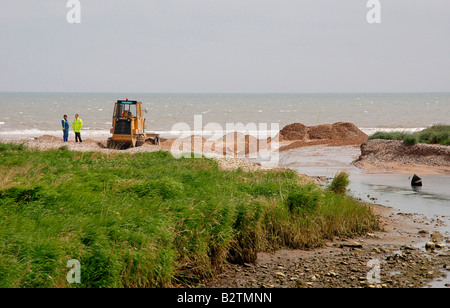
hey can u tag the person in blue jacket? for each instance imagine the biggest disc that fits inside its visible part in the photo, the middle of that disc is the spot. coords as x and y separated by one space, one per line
65 128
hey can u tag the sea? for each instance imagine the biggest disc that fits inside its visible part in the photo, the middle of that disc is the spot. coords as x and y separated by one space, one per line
28 115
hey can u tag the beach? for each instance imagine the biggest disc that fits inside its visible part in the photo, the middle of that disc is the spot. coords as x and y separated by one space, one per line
224 144
400 246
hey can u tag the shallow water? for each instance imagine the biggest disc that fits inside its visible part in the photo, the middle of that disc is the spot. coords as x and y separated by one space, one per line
433 199
394 190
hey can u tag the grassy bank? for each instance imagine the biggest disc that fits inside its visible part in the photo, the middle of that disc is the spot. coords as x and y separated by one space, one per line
436 134
149 220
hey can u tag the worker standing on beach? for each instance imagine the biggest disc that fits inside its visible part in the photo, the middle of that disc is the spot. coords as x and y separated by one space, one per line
77 124
65 128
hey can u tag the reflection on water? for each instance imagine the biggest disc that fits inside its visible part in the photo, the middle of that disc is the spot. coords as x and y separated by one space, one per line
393 190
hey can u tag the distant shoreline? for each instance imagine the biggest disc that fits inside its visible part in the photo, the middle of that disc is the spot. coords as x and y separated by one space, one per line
378 156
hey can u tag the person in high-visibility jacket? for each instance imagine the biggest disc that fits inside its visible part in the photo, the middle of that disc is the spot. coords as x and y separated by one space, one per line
77 124
65 128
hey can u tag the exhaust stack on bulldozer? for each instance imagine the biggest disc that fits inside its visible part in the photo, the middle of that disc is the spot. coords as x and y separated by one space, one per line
128 125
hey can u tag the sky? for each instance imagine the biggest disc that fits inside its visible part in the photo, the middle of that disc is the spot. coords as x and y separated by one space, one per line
225 46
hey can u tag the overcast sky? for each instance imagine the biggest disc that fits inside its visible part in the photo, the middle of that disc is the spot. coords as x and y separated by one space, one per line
297 46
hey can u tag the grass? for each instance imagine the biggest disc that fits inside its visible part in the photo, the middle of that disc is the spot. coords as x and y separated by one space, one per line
150 220
340 182
436 134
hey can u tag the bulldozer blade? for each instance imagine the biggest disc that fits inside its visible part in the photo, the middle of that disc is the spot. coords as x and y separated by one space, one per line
118 145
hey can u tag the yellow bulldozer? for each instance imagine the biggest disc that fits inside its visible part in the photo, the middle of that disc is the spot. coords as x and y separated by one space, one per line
129 126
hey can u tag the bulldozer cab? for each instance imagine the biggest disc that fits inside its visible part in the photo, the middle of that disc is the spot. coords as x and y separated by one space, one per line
126 109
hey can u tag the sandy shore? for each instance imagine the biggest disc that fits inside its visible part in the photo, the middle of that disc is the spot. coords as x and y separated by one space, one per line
403 168
376 156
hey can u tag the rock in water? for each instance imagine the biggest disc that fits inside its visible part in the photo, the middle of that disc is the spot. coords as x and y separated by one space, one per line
416 181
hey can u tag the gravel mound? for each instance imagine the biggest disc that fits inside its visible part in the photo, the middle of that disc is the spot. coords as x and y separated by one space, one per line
379 152
341 133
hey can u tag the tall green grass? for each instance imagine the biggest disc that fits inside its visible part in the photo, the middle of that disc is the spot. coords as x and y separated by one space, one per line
340 182
150 220
436 134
